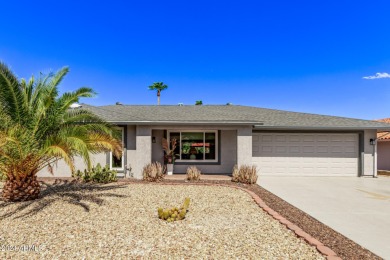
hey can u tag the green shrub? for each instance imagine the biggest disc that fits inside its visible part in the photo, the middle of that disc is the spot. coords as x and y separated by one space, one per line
245 174
175 213
153 172
96 174
193 173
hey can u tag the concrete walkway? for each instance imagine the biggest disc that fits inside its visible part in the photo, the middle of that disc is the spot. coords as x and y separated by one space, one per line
358 208
209 177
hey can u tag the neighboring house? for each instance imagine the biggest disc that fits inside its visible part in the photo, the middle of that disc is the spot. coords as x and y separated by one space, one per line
215 138
384 148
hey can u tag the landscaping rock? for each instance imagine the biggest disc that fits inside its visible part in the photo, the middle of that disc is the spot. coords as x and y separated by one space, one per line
120 221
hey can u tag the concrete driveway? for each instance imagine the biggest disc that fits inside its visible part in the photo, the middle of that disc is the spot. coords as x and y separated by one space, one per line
358 208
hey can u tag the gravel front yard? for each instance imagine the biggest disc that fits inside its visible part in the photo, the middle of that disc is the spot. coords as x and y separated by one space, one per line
120 220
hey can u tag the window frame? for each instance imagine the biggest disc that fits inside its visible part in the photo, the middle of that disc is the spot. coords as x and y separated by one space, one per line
122 168
204 160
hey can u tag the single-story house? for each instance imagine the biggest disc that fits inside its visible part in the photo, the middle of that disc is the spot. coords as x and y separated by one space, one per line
384 148
217 137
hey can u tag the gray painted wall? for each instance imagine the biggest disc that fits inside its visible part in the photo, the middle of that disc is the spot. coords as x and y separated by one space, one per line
157 151
384 155
143 149
131 150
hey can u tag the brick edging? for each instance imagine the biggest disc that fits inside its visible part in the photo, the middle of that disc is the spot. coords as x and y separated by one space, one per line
324 250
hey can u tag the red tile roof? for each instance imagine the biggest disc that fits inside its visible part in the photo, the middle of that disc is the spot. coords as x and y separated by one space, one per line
383 136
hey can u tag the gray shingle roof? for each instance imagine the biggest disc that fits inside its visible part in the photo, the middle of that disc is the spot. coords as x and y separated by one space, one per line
229 115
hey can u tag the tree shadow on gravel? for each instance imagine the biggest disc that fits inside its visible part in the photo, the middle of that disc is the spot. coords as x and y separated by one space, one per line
72 192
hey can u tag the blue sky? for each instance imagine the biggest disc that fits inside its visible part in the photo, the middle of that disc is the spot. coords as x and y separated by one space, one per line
306 56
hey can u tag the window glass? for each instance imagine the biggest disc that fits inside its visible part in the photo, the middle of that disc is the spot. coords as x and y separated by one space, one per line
195 146
118 162
209 146
192 146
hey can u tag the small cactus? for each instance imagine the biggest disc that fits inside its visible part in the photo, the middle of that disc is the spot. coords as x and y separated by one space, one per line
97 174
175 213
186 203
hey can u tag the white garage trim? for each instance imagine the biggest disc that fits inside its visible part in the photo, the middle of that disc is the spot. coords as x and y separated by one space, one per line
306 154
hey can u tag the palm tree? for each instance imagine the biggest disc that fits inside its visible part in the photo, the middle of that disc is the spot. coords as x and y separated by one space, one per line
38 128
159 86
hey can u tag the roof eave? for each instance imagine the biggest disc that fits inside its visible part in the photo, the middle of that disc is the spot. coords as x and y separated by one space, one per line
185 122
334 128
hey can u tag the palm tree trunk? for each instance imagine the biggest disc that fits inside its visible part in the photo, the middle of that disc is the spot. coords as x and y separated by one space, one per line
158 97
22 189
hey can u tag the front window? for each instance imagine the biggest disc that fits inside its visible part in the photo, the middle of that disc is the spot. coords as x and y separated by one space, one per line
118 163
195 145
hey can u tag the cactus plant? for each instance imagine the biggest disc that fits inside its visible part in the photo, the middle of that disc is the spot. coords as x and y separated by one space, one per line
96 174
174 213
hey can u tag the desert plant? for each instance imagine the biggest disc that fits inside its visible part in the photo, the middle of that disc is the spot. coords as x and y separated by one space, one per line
193 173
169 150
245 174
159 86
175 213
38 128
153 172
97 174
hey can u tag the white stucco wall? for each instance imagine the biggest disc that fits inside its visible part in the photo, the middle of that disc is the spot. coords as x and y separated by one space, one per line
370 155
61 169
244 146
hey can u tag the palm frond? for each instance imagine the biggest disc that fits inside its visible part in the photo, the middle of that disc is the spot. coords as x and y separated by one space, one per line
37 128
11 98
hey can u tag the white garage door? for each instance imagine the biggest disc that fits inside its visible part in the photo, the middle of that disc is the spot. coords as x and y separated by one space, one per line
309 154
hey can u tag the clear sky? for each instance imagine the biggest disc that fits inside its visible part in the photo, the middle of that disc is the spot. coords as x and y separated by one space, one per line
305 56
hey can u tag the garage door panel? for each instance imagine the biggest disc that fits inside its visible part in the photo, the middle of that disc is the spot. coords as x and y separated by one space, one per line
308 138
266 138
295 138
322 149
308 149
294 149
306 154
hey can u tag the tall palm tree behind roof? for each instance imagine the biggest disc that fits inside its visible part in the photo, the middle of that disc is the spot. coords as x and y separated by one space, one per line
159 86
37 128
